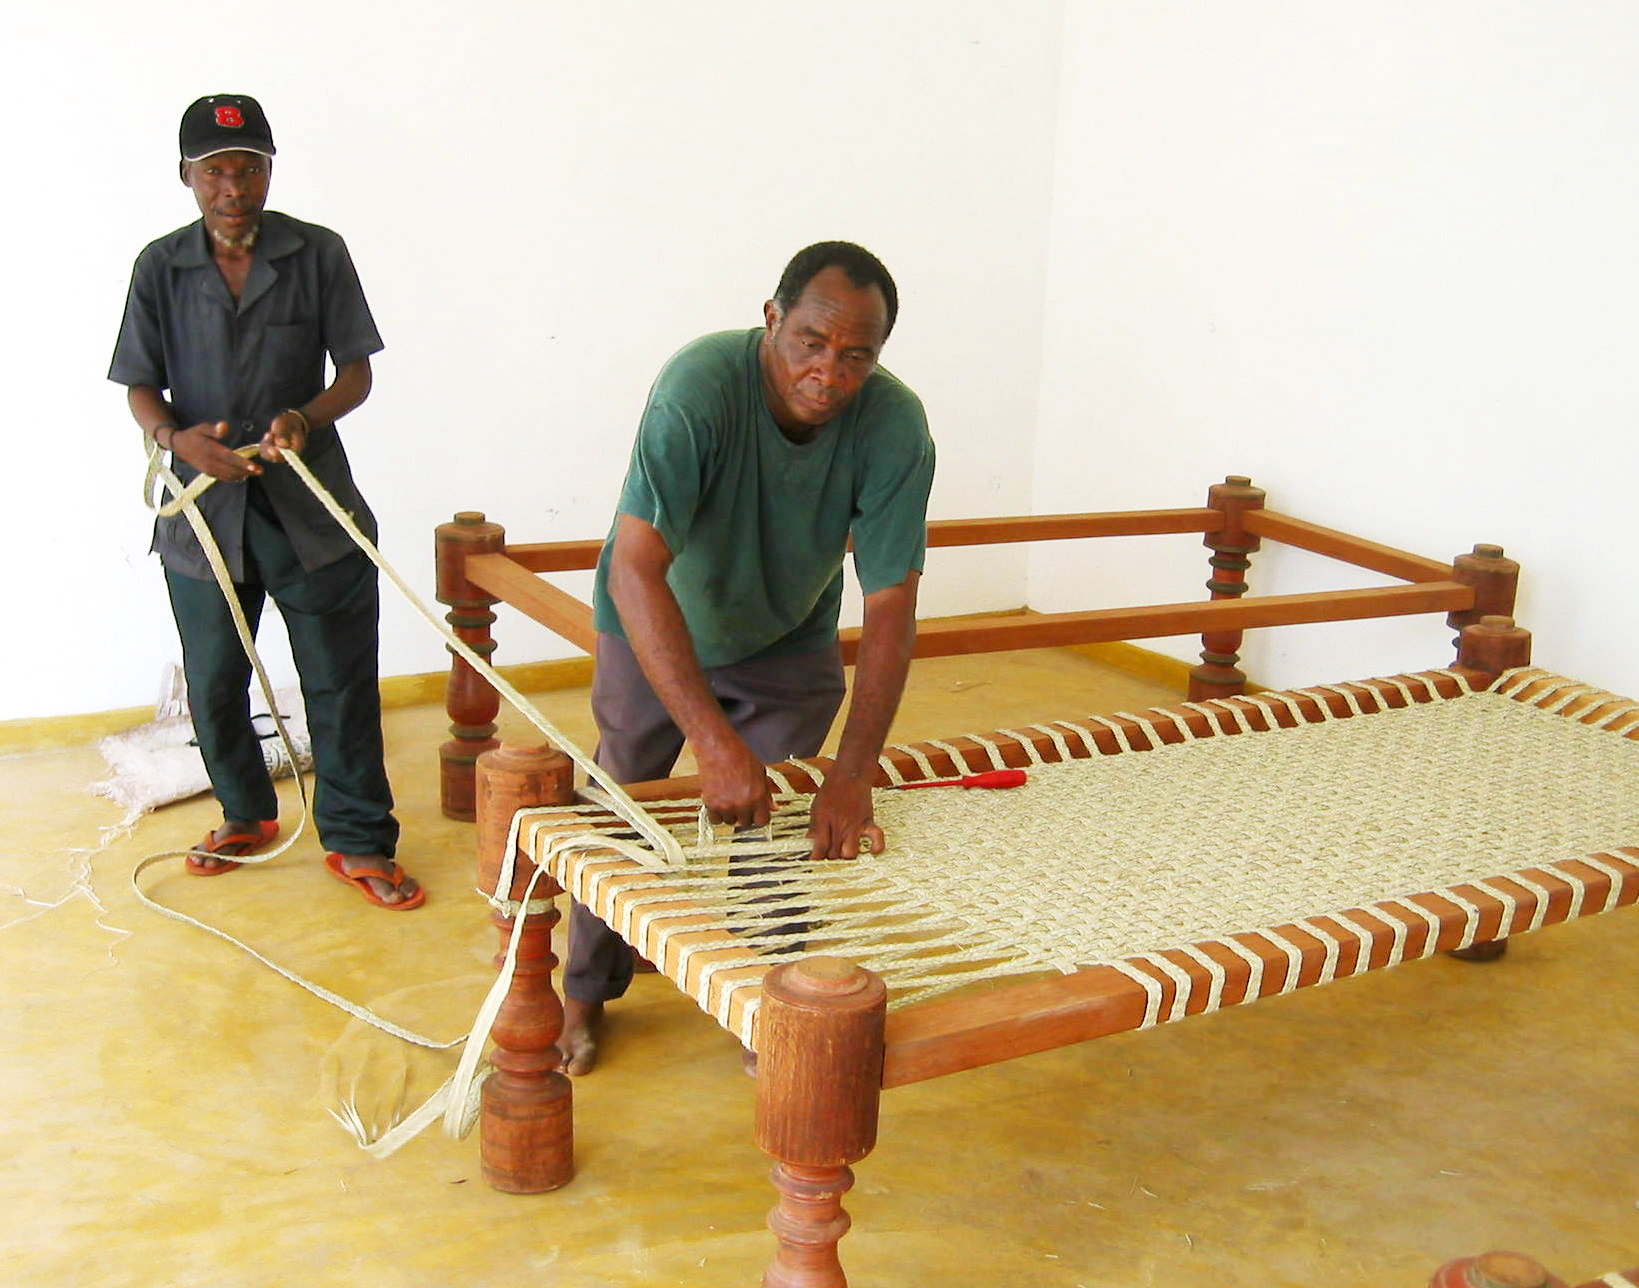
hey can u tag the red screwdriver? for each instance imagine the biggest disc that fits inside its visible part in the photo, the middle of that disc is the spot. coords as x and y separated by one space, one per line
990 778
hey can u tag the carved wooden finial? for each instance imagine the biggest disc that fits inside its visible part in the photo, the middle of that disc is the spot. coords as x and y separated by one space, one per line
1495 582
515 776
1492 645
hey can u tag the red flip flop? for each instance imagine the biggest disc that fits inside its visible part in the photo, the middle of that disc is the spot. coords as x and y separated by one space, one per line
267 829
356 879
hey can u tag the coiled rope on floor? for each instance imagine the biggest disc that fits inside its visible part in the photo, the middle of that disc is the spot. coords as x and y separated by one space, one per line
457 1100
184 501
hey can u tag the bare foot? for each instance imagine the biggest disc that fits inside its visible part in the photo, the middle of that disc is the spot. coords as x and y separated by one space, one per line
362 867
748 1061
579 1041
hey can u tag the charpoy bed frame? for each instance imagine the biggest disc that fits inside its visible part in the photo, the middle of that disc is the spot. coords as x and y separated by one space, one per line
848 979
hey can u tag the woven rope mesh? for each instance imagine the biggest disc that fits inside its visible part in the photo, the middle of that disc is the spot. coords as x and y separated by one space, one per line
1113 856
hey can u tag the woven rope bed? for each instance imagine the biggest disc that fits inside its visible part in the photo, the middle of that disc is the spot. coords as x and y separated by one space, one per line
1154 866
1338 828
1349 828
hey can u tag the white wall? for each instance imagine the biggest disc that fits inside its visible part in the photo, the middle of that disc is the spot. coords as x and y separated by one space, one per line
544 201
1382 258
1378 256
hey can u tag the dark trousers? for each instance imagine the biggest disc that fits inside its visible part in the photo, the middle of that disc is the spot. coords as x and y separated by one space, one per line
782 706
330 615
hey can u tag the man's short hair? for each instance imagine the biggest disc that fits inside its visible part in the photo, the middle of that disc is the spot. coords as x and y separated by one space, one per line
862 268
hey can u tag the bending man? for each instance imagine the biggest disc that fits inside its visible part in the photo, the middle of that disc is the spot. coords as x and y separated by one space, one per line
759 454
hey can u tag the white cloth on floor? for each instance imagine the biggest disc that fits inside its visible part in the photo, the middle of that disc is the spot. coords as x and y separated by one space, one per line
156 763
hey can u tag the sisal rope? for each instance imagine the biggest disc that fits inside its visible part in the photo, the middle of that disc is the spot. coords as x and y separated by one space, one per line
457 1100
183 501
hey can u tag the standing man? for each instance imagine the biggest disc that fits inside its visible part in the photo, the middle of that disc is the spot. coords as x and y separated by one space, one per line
223 345
759 454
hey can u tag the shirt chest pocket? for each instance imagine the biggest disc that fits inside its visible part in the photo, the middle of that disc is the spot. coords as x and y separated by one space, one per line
293 344
291 360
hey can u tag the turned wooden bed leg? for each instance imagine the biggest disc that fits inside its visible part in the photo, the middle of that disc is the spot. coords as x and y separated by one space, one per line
1485 649
819 1084
1219 675
1494 1270
1495 581
526 1131
470 702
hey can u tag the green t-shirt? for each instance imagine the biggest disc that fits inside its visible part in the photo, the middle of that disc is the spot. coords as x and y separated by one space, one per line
758 525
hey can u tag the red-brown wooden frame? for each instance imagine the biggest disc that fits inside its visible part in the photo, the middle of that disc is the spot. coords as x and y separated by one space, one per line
477 568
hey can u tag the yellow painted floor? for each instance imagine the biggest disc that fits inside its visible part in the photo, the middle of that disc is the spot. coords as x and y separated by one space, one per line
166 1094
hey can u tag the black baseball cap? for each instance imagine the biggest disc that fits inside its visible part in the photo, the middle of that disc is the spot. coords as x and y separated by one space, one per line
224 123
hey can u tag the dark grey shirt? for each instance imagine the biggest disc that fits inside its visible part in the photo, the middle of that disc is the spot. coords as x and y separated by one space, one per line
245 362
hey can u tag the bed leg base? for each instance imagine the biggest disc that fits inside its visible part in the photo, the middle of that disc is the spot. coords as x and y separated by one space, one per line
526 1137
808 1221
457 786
526 1133
1490 646
1216 676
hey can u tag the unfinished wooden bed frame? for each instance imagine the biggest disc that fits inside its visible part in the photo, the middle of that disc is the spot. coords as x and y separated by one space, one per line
827 1047
477 568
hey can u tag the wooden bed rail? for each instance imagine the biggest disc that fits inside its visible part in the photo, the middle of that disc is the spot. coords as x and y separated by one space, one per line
477 569
570 618
572 556
1156 621
1344 547
512 583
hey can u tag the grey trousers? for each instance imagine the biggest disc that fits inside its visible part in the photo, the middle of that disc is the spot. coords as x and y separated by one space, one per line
781 706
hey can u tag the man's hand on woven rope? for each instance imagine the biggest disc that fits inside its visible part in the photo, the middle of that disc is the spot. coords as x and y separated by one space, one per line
841 817
201 446
733 787
287 429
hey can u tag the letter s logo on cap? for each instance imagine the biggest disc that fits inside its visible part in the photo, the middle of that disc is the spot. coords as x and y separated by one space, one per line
229 117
